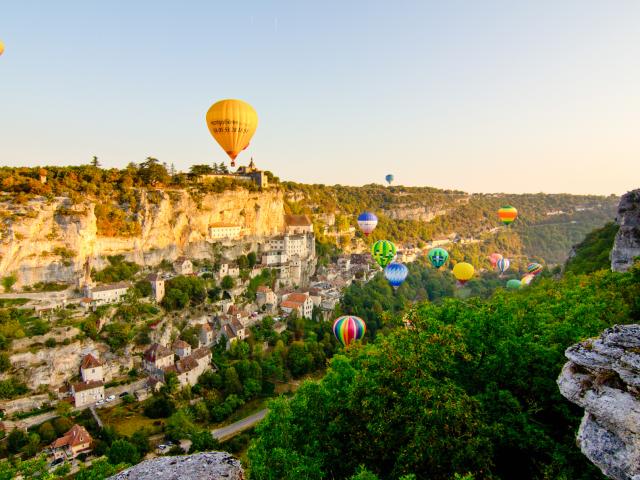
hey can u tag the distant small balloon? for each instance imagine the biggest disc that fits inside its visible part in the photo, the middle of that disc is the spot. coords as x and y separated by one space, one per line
514 284
527 279
383 252
389 179
503 265
348 329
463 272
438 257
396 274
535 268
507 214
493 259
1 47
367 222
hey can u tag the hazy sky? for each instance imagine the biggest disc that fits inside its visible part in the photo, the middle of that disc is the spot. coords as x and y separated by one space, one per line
483 96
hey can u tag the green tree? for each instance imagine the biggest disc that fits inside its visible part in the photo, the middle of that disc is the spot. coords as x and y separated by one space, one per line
123 451
180 425
16 440
232 382
8 282
227 282
47 433
99 470
203 441
5 363
140 439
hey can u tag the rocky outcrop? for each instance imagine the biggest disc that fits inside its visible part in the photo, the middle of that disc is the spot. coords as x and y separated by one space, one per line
53 241
201 466
603 377
627 243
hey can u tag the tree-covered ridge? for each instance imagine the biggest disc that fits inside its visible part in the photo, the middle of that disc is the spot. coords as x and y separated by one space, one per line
469 387
593 252
547 226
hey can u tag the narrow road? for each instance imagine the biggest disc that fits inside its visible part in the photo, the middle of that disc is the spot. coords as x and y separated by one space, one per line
233 429
92 409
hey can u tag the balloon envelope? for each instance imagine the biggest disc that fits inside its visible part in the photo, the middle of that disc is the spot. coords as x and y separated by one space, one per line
463 272
503 265
396 274
534 268
232 123
527 279
438 257
389 179
367 222
514 284
493 259
507 214
383 252
1 47
348 329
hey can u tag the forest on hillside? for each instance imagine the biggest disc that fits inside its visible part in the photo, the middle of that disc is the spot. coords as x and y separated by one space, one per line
463 388
546 228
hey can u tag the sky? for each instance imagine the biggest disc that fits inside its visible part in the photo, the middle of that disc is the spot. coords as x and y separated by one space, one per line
491 96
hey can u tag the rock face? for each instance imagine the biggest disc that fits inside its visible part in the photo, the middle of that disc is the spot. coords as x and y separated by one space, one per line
52 240
603 377
627 243
201 466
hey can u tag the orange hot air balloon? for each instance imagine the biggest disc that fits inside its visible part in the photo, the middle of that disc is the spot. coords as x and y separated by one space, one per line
232 123
1 47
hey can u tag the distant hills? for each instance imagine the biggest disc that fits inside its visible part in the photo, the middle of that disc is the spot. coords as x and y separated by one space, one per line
547 227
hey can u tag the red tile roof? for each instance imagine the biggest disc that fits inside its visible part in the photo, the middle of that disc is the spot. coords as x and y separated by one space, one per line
155 352
76 436
297 297
180 344
297 220
290 304
81 387
89 361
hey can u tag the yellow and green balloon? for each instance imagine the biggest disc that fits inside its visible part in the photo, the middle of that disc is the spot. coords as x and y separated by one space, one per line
383 252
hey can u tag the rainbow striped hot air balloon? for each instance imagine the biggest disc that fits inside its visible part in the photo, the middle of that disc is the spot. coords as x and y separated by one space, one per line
463 272
514 284
348 329
534 268
367 222
527 279
438 257
493 259
396 274
383 252
507 214
503 265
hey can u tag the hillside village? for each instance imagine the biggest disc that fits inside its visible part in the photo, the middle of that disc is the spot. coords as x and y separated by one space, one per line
71 368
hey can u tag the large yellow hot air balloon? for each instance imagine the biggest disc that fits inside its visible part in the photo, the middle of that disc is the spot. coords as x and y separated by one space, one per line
463 272
232 123
1 47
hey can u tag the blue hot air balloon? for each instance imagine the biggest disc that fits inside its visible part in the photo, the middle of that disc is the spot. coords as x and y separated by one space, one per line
389 178
396 274
367 222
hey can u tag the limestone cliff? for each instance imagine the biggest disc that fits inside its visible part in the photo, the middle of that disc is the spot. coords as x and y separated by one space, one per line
627 243
603 377
51 240
201 466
